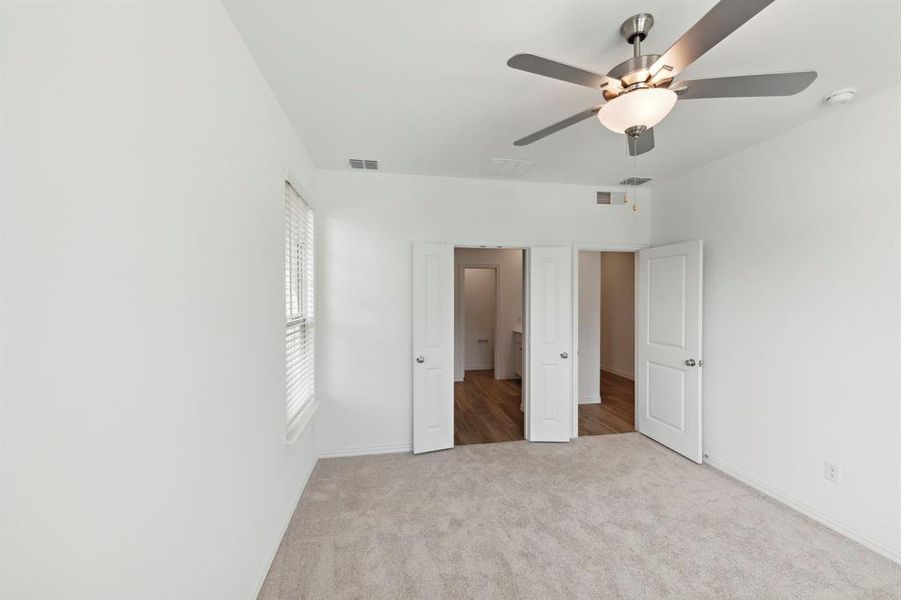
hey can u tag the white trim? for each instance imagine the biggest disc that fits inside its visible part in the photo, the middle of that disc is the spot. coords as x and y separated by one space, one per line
805 510
618 372
601 247
494 245
508 376
592 247
284 529
635 309
488 367
305 192
590 400
366 450
300 422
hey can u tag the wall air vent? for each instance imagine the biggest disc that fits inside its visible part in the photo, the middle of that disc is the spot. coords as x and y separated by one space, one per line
611 198
363 164
634 180
509 167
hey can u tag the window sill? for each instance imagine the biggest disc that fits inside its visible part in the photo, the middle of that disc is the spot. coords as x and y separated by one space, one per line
296 427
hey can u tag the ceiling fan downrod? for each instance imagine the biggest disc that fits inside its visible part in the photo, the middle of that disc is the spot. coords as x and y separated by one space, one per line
635 30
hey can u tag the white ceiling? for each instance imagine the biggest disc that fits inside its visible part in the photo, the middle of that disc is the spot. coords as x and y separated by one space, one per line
423 86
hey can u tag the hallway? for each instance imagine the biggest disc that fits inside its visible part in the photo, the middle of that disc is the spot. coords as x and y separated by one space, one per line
616 413
486 410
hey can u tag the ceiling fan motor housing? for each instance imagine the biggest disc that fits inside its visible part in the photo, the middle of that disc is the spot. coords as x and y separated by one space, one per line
632 71
636 26
636 70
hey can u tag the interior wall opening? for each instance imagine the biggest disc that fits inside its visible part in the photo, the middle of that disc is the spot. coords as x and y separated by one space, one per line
606 323
488 345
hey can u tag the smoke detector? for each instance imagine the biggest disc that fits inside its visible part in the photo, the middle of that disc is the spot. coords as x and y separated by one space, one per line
840 97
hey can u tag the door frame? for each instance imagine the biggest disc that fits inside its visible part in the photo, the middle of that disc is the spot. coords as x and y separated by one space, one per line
460 319
597 247
525 248
575 247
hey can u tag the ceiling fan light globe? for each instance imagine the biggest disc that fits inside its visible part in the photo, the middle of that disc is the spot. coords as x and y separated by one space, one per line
642 107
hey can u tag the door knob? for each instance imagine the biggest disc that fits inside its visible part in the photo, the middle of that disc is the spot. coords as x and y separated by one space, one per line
564 355
690 362
420 359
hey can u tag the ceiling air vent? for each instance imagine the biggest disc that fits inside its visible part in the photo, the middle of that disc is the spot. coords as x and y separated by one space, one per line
363 164
634 180
509 167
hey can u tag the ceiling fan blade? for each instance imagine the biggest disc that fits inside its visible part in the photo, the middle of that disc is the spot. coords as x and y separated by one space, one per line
557 70
534 137
747 86
716 25
641 144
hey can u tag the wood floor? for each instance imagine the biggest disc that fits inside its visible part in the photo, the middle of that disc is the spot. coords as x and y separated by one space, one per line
616 413
487 409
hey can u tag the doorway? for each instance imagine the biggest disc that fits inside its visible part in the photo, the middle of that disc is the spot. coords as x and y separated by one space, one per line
488 344
668 316
606 322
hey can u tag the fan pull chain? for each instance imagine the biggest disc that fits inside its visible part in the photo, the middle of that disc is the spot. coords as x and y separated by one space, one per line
635 207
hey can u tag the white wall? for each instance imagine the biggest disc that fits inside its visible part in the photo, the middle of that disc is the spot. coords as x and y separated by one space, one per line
143 451
589 327
802 244
367 224
618 313
509 263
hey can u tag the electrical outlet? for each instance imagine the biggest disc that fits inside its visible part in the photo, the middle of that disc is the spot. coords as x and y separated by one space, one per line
833 473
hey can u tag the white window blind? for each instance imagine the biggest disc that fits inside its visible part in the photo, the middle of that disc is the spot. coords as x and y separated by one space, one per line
299 307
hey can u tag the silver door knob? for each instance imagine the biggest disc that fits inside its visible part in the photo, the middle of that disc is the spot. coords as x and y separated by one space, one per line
690 362
420 359
564 355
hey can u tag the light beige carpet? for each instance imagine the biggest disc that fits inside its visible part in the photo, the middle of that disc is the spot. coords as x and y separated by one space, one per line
613 516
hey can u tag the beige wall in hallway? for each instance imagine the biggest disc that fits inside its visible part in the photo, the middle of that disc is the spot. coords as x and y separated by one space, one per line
618 313
509 301
479 304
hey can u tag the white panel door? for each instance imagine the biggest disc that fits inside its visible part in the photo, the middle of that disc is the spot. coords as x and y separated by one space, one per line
433 347
550 344
669 346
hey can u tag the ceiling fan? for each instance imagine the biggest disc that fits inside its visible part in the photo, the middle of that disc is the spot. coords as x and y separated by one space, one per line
639 92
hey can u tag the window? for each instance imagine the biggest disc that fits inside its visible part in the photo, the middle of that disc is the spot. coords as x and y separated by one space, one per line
299 309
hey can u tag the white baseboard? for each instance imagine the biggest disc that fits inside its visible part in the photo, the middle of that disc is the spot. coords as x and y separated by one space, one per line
806 510
284 528
487 367
620 373
509 376
366 450
590 400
